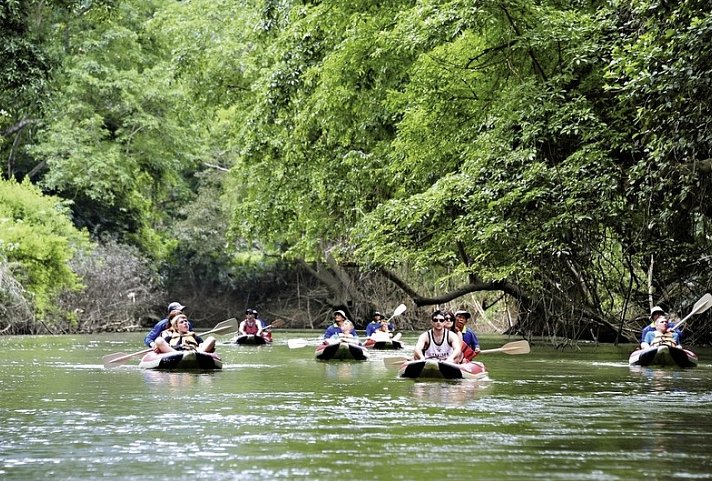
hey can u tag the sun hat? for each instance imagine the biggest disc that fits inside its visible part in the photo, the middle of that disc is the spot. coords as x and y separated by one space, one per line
465 314
340 312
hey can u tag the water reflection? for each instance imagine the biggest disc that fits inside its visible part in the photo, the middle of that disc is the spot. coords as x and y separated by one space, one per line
343 371
661 380
176 381
450 393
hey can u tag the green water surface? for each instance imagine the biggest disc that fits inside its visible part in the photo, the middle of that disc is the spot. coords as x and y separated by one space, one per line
275 413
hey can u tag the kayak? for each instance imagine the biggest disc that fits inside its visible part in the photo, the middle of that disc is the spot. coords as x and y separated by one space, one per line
251 340
663 356
434 369
382 344
181 360
340 350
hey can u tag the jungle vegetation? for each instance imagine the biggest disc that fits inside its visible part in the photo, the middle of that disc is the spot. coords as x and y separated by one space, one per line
550 155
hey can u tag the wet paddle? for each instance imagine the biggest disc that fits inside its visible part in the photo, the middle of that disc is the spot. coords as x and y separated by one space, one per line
514 347
119 358
700 306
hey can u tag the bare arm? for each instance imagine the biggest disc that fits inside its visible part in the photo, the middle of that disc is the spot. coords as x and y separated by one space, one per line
420 346
456 346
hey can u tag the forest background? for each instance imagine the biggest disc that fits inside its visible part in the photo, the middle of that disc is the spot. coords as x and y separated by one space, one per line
544 163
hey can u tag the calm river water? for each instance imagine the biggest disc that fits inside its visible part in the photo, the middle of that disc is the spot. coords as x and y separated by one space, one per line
277 414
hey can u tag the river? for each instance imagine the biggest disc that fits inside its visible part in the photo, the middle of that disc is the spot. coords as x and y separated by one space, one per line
274 413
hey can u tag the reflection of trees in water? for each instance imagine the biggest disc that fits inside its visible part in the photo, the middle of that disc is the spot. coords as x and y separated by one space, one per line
446 393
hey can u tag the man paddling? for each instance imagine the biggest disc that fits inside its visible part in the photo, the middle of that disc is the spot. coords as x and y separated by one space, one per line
437 342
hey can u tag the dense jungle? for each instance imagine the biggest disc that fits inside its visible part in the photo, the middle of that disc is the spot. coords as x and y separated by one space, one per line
543 163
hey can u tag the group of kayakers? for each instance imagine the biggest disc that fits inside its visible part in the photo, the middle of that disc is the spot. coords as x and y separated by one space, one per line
449 338
175 332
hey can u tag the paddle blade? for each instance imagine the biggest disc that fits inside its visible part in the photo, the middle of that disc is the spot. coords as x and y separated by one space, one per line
222 327
277 323
394 362
115 359
399 310
700 306
119 358
297 343
516 347
703 304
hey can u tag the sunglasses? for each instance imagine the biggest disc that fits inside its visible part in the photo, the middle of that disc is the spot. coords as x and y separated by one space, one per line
438 319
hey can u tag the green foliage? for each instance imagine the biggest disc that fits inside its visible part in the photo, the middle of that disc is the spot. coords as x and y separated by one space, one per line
118 142
38 240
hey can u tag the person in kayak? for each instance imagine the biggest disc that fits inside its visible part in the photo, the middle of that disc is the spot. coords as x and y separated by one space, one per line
438 342
348 332
471 345
182 338
663 335
655 313
250 325
375 324
335 328
163 325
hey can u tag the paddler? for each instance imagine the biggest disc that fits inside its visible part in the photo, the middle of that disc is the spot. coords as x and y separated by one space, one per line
437 342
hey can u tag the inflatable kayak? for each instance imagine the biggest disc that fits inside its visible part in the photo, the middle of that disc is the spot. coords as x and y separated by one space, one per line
340 350
389 344
434 369
663 356
181 360
252 340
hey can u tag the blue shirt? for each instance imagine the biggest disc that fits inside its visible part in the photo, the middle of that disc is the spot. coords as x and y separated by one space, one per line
650 337
651 328
372 327
470 338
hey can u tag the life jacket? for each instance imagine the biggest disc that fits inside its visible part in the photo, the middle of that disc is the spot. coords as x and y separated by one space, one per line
183 342
467 352
251 329
664 339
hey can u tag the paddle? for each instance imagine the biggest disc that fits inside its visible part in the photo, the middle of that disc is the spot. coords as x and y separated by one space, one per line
119 358
700 306
277 323
398 311
514 347
299 343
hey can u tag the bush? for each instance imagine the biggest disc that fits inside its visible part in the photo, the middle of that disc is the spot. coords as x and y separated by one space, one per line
120 287
38 239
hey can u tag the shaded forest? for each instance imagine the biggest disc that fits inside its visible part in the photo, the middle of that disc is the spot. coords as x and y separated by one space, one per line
543 163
